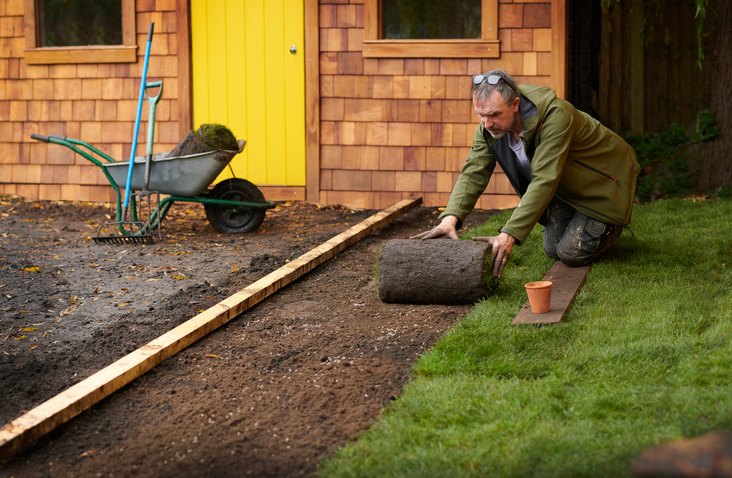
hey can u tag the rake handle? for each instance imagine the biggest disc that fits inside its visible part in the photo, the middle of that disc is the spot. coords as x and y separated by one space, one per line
133 149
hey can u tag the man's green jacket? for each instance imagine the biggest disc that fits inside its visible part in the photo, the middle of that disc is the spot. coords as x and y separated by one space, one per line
573 157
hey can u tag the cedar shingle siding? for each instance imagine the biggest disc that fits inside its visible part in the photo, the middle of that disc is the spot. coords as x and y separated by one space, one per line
389 128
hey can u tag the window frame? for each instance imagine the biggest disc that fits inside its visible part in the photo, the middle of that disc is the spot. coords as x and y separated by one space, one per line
125 53
488 46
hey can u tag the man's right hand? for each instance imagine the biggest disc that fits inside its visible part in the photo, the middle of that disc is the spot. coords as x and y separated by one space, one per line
446 227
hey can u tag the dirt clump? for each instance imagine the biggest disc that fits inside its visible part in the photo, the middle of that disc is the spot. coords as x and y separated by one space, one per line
272 393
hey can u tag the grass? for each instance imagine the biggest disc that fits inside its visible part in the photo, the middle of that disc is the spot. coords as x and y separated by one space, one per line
644 357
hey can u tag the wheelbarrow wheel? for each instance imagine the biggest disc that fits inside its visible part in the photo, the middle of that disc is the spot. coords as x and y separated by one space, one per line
235 219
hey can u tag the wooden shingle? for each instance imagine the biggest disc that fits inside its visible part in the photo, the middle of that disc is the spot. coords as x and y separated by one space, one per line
512 16
537 15
405 111
420 87
408 181
414 158
351 180
400 134
522 40
383 181
531 66
346 16
327 16
434 159
376 132
391 158
357 109
430 111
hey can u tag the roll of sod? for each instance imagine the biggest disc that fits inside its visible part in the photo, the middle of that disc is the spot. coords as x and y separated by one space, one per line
438 271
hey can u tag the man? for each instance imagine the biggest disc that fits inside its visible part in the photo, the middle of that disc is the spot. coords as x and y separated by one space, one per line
574 175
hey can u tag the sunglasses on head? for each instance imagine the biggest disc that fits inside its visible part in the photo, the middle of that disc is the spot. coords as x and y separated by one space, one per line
491 79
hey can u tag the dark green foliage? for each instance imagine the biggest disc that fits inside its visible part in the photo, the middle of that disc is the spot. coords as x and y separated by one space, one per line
663 158
725 192
706 126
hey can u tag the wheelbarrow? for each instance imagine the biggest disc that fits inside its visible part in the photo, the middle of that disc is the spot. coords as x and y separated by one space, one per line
232 206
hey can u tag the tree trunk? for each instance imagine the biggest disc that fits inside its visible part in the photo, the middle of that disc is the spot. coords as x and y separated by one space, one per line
714 162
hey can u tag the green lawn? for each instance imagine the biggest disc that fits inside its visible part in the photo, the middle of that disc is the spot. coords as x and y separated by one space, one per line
644 356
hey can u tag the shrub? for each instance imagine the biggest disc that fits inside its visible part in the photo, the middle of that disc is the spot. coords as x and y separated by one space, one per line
663 157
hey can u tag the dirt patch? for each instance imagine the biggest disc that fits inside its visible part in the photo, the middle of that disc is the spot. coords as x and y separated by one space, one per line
272 393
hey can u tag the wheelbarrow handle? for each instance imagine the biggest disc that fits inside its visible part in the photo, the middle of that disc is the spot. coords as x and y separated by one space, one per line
40 137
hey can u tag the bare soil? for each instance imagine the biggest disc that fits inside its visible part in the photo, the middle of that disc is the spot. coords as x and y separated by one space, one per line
272 393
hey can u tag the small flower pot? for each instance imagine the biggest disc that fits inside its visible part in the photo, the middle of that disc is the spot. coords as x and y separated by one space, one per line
540 296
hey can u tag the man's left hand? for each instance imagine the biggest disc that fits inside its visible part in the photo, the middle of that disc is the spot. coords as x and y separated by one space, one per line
501 247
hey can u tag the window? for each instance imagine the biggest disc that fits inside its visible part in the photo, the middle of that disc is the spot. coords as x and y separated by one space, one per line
82 31
79 23
447 29
409 19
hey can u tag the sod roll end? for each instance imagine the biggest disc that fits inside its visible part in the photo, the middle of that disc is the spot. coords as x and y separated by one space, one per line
208 137
439 271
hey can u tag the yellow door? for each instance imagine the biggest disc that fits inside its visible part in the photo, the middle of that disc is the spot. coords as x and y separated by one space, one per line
249 74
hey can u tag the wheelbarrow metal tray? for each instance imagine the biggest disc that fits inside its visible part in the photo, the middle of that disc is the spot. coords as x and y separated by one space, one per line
178 176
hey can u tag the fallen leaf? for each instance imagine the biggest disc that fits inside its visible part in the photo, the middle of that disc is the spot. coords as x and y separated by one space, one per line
178 276
29 329
32 269
123 304
216 356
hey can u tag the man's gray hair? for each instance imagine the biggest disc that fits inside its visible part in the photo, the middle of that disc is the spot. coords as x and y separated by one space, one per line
506 86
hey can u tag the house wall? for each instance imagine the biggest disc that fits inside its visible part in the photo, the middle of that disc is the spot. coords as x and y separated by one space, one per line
392 128
96 103
378 129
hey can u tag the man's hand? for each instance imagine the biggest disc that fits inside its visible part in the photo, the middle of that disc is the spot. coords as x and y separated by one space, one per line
501 247
447 227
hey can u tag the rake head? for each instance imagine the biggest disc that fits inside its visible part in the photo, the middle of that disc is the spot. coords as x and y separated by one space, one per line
142 227
126 232
120 239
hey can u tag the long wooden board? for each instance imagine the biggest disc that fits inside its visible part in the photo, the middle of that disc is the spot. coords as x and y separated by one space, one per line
30 426
566 284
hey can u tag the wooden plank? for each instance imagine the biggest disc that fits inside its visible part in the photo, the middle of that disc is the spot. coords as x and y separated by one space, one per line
30 426
183 38
566 284
431 48
312 101
559 47
82 54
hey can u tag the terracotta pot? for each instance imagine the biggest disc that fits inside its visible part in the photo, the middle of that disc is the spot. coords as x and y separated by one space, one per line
540 296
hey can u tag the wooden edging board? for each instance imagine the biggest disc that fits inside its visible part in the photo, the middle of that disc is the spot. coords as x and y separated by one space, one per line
566 284
27 428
